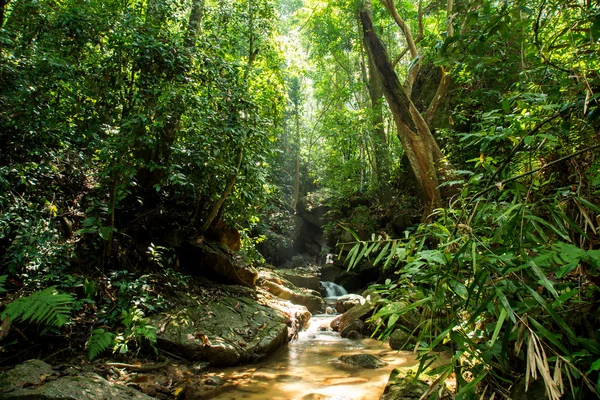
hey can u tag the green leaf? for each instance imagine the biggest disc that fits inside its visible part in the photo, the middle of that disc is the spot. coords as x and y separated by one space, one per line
105 232
506 304
501 318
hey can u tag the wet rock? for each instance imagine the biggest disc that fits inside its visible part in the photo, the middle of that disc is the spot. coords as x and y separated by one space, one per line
400 339
277 287
354 335
403 386
200 368
358 312
225 332
344 380
355 326
216 260
363 361
35 379
214 381
348 301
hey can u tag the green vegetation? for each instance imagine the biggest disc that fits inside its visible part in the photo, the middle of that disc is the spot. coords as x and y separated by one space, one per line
454 144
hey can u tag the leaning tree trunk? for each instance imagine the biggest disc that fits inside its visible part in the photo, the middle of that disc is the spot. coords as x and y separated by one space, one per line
421 148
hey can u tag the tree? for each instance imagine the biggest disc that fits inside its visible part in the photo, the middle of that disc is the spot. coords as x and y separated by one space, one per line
426 160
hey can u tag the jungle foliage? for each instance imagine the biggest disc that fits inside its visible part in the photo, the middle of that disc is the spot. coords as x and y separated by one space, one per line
129 128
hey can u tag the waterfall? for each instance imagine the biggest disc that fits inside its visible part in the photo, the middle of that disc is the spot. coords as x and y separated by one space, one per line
333 289
329 259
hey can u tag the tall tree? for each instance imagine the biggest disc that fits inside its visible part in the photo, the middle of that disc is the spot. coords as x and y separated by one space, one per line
423 152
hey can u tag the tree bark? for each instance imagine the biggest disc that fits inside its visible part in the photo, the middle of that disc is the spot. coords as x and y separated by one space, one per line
215 210
421 149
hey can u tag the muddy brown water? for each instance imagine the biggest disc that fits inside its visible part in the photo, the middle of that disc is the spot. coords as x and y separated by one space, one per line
308 368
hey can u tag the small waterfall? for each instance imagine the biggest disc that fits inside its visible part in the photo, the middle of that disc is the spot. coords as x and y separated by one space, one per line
333 289
329 259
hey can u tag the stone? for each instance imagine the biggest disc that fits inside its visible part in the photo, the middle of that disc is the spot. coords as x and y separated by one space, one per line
301 279
403 386
87 386
311 301
214 381
30 373
346 380
354 335
400 339
217 261
225 332
363 361
358 312
355 326
348 301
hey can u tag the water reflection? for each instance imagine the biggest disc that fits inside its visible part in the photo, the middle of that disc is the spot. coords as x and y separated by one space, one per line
308 369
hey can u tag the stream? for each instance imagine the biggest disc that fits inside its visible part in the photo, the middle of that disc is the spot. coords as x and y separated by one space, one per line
308 368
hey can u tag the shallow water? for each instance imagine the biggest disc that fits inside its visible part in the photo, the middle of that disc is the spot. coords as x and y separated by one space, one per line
308 369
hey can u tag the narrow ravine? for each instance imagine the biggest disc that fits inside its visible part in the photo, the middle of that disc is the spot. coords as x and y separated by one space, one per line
308 368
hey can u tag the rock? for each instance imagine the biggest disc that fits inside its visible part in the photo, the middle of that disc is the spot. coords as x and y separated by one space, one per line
310 300
216 260
226 332
403 386
214 381
363 361
330 272
29 373
356 326
358 312
345 380
400 339
354 335
348 301
300 278
200 367
17 384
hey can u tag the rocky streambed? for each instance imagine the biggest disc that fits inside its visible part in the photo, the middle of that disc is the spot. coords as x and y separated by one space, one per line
210 331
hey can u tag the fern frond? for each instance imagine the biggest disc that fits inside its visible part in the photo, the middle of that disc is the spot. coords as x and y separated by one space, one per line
2 282
99 341
46 307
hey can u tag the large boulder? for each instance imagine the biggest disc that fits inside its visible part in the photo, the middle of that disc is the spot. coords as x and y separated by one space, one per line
217 261
276 284
34 379
301 278
226 331
404 386
312 301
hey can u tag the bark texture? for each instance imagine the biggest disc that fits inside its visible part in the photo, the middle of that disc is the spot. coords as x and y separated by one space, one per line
421 148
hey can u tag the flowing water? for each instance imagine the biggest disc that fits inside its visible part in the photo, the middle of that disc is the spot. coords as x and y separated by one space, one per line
308 368
333 290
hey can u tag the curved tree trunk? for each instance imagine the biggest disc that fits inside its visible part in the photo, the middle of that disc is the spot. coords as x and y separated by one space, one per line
421 148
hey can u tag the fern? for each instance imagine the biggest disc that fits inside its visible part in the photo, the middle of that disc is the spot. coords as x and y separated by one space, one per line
46 307
2 282
99 341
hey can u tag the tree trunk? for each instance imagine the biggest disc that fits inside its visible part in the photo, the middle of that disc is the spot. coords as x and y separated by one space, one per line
215 210
421 149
